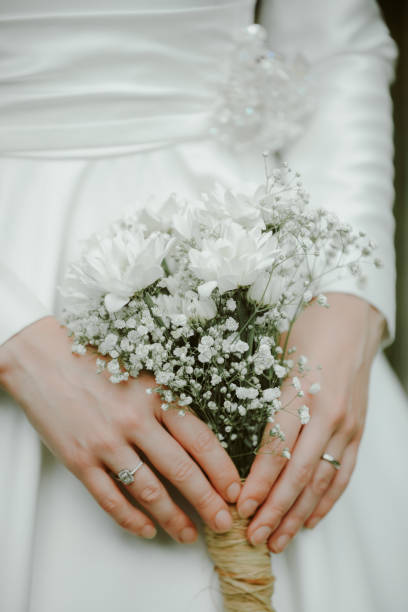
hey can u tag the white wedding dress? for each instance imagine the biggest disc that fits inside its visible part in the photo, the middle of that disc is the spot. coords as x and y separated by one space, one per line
103 102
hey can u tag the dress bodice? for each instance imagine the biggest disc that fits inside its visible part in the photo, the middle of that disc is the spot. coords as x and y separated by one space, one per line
79 75
92 74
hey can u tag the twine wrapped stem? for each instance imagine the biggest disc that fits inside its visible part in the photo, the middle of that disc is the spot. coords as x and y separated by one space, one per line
244 571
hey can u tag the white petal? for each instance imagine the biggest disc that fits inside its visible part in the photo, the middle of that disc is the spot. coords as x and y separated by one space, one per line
113 302
206 289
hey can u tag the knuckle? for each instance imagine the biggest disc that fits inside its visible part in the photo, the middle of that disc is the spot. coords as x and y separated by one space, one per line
77 460
103 443
126 522
151 493
110 505
279 461
276 511
350 427
302 475
338 414
204 441
206 499
293 526
320 484
128 418
183 470
260 489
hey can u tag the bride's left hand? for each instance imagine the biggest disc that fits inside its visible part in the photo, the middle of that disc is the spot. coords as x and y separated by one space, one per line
290 494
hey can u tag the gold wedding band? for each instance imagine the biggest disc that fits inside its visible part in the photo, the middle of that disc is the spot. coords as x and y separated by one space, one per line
336 464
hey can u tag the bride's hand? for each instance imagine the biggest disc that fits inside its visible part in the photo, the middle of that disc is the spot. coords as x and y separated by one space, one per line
94 426
290 494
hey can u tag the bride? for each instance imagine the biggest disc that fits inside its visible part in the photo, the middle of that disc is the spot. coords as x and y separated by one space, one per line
104 103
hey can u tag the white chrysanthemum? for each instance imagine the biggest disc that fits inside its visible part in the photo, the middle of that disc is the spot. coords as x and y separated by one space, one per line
115 266
235 258
224 203
267 288
172 214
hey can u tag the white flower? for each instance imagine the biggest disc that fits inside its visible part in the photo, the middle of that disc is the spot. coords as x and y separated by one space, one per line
190 305
231 324
231 304
207 341
304 415
79 349
239 346
314 388
322 300
276 432
272 393
224 203
296 383
235 258
115 266
280 371
268 288
173 213
246 392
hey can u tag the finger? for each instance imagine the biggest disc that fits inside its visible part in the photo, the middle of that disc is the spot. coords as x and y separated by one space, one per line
149 491
171 460
311 443
198 439
295 518
110 499
338 485
267 465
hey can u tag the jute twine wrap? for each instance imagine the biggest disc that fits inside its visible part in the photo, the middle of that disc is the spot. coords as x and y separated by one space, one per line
244 571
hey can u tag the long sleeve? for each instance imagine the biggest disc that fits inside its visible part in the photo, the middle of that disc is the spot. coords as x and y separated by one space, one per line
19 306
345 156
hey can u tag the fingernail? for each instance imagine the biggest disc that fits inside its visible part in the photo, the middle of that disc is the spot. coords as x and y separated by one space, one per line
233 491
148 531
188 534
247 508
223 520
312 523
280 543
260 535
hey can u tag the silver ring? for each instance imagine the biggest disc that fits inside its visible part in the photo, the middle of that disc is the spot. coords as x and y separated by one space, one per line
336 464
126 476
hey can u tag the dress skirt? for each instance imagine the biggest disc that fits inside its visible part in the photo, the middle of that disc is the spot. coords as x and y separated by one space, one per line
59 551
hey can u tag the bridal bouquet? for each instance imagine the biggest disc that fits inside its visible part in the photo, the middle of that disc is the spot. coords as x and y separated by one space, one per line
203 294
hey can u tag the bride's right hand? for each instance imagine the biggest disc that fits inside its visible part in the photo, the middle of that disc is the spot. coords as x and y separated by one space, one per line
94 427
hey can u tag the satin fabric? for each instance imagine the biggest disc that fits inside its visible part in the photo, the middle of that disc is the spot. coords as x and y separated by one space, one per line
115 76
59 550
80 82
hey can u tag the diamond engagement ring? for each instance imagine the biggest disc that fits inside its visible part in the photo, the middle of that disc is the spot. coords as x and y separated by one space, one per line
336 464
126 476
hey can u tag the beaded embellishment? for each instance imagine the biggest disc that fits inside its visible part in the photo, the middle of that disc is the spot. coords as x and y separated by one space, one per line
266 98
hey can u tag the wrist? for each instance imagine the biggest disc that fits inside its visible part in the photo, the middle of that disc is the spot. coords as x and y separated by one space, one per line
17 351
377 326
